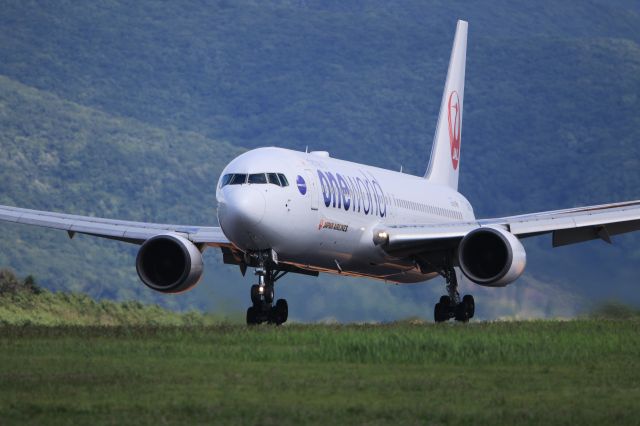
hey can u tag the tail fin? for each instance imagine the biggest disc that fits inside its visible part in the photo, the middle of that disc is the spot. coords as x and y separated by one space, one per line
445 151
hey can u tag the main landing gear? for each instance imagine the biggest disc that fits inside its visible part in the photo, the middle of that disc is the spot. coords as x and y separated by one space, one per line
262 296
450 306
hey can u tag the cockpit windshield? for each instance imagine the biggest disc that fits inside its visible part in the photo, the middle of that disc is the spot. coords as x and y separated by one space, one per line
254 179
238 179
283 180
273 178
258 178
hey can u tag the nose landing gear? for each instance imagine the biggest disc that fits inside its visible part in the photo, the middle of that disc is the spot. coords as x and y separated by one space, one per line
450 306
262 296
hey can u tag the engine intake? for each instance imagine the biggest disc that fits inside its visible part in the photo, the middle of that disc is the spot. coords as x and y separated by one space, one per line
491 257
169 263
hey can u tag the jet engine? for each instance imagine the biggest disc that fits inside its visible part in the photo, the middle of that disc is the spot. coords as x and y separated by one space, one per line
491 257
169 263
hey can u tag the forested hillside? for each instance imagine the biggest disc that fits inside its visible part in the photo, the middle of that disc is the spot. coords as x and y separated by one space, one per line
58 155
131 110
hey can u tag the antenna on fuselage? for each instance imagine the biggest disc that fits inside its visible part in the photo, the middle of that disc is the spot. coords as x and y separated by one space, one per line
306 149
400 168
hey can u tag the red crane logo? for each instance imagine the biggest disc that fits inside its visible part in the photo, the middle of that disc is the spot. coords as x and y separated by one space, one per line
455 127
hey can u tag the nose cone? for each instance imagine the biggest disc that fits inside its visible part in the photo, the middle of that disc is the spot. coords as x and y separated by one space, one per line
245 205
239 212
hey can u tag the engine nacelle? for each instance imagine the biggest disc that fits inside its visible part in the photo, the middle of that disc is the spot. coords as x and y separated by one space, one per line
491 257
169 263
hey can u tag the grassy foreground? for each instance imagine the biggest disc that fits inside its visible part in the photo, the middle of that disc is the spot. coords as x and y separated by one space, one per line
546 372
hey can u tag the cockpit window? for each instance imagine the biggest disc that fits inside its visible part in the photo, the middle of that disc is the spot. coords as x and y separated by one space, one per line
225 180
238 179
273 178
258 178
283 180
254 178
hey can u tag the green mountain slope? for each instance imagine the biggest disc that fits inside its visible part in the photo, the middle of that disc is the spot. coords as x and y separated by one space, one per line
118 110
57 155
363 80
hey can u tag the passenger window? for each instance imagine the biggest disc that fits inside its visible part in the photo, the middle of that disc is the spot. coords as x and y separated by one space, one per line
283 179
238 179
225 180
273 178
258 178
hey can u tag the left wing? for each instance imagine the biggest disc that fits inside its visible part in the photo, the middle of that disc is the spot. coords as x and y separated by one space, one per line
131 232
568 226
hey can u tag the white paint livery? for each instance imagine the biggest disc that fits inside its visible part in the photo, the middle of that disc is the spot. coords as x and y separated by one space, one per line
284 211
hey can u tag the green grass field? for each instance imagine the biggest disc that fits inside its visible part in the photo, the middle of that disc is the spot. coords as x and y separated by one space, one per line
571 372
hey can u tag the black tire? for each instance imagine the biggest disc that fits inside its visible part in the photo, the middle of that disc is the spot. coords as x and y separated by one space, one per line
439 313
256 297
445 301
268 294
470 305
461 312
281 311
252 316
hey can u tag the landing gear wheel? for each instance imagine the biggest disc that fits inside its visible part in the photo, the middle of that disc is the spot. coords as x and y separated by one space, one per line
256 297
450 305
440 313
280 312
470 305
268 294
445 301
263 293
252 316
465 309
461 312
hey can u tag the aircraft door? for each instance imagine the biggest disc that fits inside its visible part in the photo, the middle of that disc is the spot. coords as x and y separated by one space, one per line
313 189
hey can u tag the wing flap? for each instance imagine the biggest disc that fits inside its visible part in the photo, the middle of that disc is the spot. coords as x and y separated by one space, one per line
563 237
593 216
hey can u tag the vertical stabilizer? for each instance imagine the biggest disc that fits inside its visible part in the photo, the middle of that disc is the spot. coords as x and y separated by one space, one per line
444 164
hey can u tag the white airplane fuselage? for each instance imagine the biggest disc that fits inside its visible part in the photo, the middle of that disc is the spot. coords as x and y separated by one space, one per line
325 218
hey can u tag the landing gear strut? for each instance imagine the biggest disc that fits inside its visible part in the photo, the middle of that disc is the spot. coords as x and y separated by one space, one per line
262 296
450 306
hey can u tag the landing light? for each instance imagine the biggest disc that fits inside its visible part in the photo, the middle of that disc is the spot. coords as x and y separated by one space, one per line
381 237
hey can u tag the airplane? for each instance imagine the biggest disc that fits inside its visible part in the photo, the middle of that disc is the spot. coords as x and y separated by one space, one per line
282 211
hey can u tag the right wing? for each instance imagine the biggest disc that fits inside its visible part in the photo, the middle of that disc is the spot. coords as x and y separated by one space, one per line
568 226
575 225
131 232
